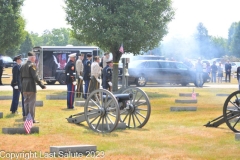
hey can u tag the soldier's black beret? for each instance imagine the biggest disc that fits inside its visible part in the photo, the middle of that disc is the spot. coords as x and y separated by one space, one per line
31 53
89 55
17 57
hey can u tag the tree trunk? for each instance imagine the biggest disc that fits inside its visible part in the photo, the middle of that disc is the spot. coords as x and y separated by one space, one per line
116 57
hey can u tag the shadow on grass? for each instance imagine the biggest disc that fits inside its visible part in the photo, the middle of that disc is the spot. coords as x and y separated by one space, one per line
19 120
10 115
66 109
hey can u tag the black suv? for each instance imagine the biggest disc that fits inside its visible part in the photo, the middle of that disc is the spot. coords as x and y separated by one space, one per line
7 61
136 58
160 71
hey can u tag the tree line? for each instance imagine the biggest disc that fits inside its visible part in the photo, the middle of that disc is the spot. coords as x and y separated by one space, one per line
139 25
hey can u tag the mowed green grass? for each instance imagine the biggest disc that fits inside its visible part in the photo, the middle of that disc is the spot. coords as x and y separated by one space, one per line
167 135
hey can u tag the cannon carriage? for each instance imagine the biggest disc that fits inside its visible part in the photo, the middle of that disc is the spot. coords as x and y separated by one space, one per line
104 111
231 113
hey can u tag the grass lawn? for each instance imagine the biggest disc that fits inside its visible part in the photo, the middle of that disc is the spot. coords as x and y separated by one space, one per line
167 135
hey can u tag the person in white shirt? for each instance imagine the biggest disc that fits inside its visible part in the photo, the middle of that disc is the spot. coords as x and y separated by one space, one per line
95 75
79 70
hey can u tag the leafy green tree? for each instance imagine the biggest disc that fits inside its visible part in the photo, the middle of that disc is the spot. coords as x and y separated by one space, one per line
203 40
219 47
55 37
12 24
139 24
234 39
27 45
37 39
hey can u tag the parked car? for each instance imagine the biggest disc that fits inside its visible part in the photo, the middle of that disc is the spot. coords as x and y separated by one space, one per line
7 61
24 60
143 71
235 65
138 57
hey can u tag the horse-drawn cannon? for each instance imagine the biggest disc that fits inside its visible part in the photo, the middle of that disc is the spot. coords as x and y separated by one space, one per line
103 110
231 113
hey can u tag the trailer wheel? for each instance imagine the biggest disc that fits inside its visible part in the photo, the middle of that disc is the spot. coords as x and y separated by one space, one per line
62 79
50 82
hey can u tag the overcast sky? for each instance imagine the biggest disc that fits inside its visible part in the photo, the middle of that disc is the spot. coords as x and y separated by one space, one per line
216 16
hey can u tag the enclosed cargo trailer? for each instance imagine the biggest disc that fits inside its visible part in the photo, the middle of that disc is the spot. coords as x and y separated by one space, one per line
51 60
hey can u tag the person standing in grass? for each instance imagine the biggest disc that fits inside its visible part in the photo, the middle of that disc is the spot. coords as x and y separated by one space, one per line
16 85
228 68
29 78
220 73
199 73
214 72
238 77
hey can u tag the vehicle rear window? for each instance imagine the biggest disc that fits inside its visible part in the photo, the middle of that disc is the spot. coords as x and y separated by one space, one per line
152 65
166 65
7 59
181 66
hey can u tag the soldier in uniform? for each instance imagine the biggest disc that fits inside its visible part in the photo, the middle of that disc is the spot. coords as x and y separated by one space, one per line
16 85
29 78
95 75
107 76
79 69
70 72
87 74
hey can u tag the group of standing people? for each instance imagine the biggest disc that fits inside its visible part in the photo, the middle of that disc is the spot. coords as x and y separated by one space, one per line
24 79
216 72
88 72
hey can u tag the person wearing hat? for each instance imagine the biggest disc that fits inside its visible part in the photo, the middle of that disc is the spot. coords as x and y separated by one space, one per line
107 76
29 78
79 69
104 60
70 72
199 73
95 75
87 74
1 69
16 85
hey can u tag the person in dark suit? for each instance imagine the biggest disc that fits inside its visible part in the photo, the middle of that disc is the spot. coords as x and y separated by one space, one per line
107 76
238 77
1 69
29 78
70 72
16 85
228 68
87 74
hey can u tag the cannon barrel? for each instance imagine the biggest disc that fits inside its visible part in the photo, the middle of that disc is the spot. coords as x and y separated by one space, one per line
123 97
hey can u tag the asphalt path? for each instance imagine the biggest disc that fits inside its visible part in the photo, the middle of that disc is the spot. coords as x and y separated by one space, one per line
206 85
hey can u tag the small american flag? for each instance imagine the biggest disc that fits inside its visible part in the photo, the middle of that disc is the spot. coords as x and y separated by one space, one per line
28 123
121 49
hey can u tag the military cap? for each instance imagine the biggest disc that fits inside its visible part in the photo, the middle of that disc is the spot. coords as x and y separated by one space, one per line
110 61
17 57
106 53
89 55
30 53
72 55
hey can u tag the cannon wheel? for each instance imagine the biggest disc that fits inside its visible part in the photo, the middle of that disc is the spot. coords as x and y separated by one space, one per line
101 111
138 113
231 111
